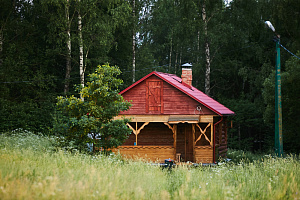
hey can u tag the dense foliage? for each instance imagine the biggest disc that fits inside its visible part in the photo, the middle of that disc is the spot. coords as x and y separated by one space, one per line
89 119
40 56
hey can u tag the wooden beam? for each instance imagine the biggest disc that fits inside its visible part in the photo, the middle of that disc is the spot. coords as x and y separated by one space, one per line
174 131
206 118
133 130
185 144
145 118
202 132
136 134
175 136
177 122
171 119
143 126
161 97
194 144
211 134
137 131
169 126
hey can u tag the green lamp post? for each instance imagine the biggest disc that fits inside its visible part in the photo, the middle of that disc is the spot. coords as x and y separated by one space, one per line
278 108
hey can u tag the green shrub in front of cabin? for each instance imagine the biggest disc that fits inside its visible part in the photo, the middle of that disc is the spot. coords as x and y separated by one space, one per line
91 120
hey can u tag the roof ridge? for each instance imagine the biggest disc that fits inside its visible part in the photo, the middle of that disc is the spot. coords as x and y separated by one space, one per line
172 76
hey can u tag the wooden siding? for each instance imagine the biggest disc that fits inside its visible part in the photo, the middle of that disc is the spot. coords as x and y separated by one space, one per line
148 153
155 134
137 97
173 101
221 139
176 102
203 154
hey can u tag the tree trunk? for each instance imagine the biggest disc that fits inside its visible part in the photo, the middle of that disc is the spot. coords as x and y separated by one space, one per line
81 70
180 56
207 53
133 42
176 61
1 48
170 59
68 57
198 46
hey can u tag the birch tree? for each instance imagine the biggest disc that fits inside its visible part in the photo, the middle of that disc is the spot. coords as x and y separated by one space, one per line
68 56
133 40
81 68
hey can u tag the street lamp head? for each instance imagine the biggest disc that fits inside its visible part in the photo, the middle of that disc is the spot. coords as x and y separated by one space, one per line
187 65
270 26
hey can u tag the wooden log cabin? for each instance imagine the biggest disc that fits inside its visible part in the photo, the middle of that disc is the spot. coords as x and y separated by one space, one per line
172 119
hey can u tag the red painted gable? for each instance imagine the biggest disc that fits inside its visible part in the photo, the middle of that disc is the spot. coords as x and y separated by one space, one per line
176 97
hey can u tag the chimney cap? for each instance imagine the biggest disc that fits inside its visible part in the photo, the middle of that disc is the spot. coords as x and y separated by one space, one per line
187 65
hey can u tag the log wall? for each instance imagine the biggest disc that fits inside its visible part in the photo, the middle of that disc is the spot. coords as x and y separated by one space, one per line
149 153
203 154
221 140
155 134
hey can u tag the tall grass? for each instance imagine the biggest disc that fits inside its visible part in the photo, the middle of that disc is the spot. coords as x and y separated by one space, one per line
30 169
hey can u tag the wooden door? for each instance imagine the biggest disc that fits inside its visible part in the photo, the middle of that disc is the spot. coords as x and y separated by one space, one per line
189 143
154 101
184 142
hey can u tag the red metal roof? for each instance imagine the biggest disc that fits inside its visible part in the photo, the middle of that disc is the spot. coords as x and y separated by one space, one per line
190 91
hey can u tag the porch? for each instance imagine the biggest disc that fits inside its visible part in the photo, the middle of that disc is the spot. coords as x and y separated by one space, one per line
180 138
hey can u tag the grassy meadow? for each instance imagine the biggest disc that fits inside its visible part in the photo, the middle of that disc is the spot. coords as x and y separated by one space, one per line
31 167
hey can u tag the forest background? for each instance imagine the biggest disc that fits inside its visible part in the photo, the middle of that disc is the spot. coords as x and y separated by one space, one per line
47 46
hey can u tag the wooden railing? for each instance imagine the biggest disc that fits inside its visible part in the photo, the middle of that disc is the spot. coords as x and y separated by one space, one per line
149 153
203 154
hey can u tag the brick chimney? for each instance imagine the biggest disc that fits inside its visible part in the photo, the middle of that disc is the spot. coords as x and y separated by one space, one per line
186 75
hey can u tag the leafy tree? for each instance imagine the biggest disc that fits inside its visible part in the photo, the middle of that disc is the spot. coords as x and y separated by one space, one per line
27 83
290 98
94 116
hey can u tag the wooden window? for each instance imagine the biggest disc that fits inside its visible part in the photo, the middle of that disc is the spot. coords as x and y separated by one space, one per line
154 97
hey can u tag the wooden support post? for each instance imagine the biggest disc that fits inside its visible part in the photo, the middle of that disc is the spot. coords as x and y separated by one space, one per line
136 140
137 131
174 131
194 144
211 134
185 144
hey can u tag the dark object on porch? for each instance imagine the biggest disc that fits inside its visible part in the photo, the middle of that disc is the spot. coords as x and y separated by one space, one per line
169 163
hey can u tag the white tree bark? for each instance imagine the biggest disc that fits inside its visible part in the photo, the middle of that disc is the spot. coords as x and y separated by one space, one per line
198 46
68 57
171 49
176 61
1 47
81 69
133 42
207 52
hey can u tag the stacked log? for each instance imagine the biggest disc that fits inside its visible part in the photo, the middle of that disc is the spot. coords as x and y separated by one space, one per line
222 148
